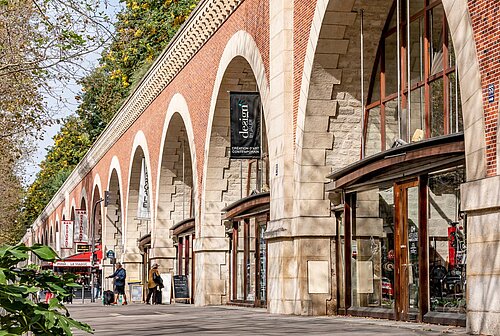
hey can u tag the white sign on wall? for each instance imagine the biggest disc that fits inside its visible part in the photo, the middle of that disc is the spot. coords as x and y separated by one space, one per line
81 226
143 204
67 234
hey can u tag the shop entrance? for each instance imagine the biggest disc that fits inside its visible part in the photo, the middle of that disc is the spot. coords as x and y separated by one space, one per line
246 222
406 250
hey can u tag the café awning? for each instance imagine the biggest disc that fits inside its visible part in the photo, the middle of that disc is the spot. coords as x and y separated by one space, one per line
80 259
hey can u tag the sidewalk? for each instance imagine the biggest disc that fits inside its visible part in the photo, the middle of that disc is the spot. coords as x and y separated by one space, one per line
139 319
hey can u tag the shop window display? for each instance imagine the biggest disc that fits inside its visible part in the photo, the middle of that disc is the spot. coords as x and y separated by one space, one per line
372 248
447 243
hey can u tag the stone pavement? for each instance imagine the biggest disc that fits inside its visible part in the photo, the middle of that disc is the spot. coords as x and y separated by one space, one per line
140 319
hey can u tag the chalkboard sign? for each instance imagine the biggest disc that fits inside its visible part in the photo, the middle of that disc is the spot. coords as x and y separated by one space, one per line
181 288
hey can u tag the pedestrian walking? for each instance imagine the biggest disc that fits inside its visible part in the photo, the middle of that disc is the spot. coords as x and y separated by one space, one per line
119 277
97 288
153 276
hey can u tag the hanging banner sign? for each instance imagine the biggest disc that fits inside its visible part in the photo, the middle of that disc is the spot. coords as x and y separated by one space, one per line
81 226
67 234
143 206
245 125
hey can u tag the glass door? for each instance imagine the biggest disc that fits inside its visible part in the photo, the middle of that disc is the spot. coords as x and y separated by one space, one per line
407 250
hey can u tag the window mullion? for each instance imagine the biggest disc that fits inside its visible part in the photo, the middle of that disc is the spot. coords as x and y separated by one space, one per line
446 102
426 75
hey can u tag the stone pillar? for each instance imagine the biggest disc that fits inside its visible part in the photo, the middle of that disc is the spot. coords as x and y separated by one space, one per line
212 270
282 265
481 202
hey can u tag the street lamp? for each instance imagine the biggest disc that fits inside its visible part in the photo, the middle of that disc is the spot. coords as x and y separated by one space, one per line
92 273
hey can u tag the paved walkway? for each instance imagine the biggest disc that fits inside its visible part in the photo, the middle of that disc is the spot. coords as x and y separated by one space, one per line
139 319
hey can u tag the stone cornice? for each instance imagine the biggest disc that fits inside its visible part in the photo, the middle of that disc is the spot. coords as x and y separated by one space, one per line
203 22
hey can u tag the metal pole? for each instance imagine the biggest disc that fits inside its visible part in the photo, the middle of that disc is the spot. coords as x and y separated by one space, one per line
93 251
398 46
183 180
408 78
362 88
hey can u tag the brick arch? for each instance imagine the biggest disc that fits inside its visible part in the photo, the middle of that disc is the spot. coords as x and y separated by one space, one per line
72 209
135 228
84 197
113 227
175 201
241 68
322 102
97 193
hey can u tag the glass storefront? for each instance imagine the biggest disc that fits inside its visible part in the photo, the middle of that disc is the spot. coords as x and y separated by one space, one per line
372 250
249 262
447 243
408 247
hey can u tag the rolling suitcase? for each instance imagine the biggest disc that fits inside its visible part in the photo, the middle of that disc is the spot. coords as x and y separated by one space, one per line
108 297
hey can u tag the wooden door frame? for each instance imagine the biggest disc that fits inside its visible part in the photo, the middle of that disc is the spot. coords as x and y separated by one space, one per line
401 245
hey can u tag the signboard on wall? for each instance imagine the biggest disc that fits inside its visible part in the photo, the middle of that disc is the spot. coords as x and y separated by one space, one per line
82 248
143 204
66 234
245 125
81 226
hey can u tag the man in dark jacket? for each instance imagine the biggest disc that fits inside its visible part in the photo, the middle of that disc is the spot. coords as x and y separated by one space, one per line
119 278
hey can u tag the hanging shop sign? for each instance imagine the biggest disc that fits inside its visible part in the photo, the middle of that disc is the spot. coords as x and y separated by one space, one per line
143 206
82 248
67 234
245 125
81 226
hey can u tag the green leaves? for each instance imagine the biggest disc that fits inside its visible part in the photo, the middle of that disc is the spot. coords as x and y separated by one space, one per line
44 252
18 295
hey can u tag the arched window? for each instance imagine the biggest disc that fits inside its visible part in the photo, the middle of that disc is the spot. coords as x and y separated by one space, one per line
414 92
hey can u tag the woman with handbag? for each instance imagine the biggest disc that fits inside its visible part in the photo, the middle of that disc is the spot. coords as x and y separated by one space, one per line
153 276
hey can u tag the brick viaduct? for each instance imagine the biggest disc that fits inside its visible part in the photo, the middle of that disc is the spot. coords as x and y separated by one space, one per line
303 58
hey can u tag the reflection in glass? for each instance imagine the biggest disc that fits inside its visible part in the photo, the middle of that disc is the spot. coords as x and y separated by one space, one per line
447 242
391 64
263 263
456 120
416 6
437 108
391 122
437 17
240 264
417 51
372 139
250 268
373 249
412 230
417 130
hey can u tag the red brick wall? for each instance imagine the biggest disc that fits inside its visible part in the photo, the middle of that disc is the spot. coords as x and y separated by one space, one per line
485 16
195 82
302 20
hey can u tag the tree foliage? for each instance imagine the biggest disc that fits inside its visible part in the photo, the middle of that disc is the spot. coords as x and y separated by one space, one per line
18 294
70 145
143 30
42 46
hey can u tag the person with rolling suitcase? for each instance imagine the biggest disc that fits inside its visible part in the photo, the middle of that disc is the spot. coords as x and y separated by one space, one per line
119 277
